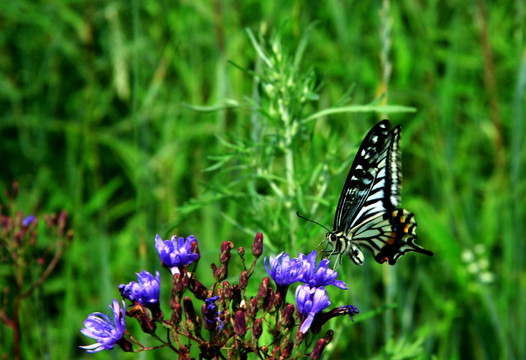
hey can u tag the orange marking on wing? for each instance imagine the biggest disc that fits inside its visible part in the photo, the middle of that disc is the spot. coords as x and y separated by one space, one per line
391 238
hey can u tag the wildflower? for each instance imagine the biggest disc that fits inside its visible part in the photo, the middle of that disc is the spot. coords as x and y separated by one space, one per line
283 270
210 312
107 333
145 291
321 275
28 220
176 252
310 301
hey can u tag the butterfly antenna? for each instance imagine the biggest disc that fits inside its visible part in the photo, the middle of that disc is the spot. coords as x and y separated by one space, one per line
312 221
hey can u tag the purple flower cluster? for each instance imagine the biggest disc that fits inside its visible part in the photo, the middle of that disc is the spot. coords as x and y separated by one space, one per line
233 319
145 291
174 254
311 298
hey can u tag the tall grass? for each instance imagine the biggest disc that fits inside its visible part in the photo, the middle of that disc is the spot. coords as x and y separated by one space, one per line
145 116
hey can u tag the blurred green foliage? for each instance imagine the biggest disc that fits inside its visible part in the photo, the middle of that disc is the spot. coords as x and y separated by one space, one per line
155 116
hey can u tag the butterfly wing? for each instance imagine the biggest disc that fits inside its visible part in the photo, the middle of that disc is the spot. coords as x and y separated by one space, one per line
389 236
367 213
368 189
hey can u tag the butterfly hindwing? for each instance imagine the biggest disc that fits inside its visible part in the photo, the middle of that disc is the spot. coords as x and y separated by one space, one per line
389 236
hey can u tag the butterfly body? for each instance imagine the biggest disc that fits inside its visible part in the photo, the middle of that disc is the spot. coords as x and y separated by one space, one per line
368 211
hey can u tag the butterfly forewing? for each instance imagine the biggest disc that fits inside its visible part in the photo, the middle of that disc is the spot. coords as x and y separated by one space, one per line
367 171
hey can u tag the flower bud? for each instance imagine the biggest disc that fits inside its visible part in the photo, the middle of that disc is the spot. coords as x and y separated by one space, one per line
227 291
299 337
257 246
125 345
264 350
241 251
257 328
199 290
177 311
263 290
276 302
137 312
193 322
243 279
240 326
252 308
221 272
287 319
224 255
269 303
318 349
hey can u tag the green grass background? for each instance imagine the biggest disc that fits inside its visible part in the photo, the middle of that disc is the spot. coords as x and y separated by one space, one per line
101 114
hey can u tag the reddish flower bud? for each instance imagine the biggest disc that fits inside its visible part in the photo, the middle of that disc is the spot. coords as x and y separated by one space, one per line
276 302
257 246
224 255
257 328
240 326
269 303
221 272
200 291
264 350
243 279
227 291
252 308
193 322
263 289
137 312
318 349
241 251
125 345
299 337
287 318
177 311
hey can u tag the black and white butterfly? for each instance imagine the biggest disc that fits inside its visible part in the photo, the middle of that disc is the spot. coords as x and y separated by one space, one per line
368 213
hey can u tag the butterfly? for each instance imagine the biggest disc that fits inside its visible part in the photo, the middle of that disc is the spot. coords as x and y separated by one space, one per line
368 213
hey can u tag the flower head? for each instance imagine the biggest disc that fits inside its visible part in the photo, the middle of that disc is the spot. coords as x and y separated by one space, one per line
210 312
176 252
321 275
283 270
310 301
145 291
28 220
105 331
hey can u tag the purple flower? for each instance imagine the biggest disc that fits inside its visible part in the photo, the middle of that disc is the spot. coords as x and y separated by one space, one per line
211 314
320 276
28 220
283 270
176 252
105 331
310 301
145 291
